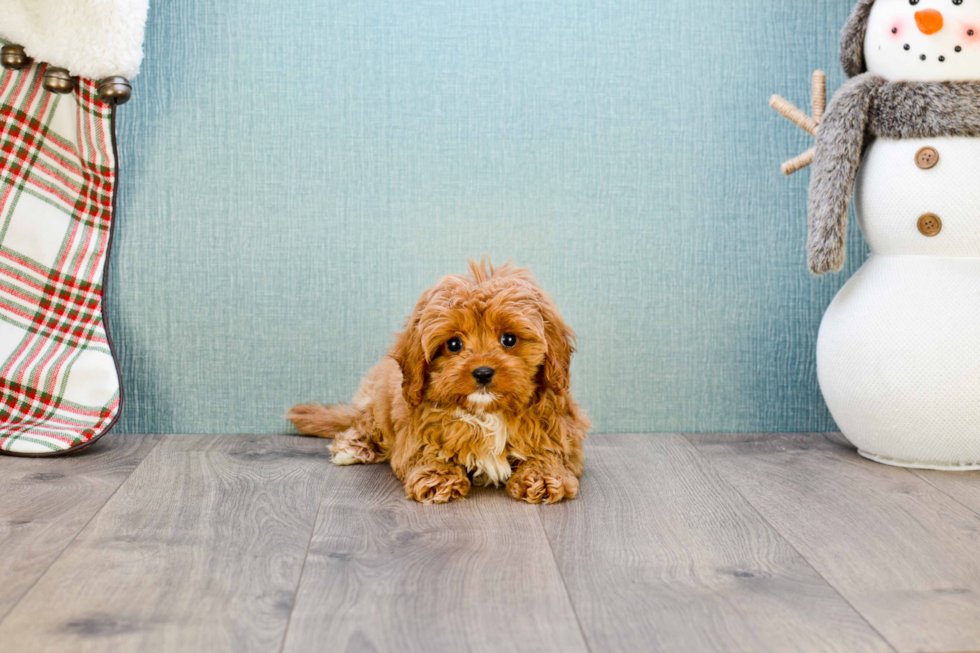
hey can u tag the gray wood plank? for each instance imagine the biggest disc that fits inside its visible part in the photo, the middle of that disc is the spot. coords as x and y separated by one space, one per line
387 574
963 487
660 554
201 549
900 551
45 502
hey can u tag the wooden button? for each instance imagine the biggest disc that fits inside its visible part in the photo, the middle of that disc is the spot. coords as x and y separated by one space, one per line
927 158
930 225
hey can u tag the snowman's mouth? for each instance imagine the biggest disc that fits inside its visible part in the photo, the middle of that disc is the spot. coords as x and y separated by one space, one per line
924 57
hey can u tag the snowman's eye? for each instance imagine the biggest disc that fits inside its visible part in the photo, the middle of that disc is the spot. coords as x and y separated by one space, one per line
913 2
957 2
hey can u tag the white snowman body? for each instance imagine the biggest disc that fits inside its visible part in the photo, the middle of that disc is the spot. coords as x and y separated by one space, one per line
898 355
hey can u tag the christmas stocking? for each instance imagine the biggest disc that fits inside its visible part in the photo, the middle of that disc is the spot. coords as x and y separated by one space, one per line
59 384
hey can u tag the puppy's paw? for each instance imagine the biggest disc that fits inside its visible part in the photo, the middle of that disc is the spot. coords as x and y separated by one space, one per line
540 485
437 485
351 448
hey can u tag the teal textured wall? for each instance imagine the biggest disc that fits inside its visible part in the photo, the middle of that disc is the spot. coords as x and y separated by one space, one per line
294 174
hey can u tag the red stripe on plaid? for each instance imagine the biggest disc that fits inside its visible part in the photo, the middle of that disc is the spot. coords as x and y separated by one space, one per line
68 147
93 191
10 391
12 128
56 330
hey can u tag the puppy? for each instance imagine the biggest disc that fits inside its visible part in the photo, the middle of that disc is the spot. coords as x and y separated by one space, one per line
476 389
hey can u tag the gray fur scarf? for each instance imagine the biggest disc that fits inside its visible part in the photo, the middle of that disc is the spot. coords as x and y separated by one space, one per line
868 107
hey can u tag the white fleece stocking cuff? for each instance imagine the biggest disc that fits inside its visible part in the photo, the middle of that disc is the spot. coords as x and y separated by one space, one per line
91 38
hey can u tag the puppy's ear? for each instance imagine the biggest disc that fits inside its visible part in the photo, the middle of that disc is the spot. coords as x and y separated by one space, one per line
561 345
409 353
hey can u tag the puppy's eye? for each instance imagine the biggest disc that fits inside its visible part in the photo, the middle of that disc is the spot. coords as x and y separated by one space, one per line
508 340
455 345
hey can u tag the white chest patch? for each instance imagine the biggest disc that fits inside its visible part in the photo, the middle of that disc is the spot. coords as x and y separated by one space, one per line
490 468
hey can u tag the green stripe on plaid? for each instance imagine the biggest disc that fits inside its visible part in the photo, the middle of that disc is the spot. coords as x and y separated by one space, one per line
59 387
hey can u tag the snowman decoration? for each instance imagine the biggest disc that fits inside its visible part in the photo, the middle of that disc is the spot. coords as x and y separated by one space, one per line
898 354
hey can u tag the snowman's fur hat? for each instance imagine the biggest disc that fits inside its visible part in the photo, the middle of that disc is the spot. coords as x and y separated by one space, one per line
852 39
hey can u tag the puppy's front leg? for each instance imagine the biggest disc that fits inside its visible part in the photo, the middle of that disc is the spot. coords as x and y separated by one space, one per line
542 479
430 480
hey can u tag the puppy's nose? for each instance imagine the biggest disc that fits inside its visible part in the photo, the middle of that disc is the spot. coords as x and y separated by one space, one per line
483 375
929 21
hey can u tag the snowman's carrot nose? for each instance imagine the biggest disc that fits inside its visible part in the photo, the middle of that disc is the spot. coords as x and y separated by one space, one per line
929 21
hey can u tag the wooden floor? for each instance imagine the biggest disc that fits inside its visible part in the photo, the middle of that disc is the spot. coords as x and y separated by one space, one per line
676 543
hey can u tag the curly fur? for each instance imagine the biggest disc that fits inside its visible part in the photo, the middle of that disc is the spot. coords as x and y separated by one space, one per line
865 108
421 410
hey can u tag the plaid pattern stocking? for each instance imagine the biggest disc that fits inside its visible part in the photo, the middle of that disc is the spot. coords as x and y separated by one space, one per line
59 385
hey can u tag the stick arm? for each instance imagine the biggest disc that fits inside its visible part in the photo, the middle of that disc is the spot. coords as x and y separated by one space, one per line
809 124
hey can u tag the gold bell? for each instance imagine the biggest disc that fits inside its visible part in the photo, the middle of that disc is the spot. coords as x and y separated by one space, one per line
13 57
58 80
115 90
